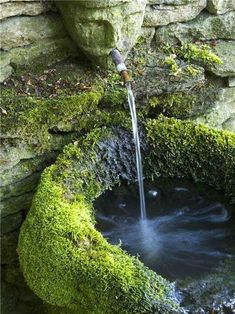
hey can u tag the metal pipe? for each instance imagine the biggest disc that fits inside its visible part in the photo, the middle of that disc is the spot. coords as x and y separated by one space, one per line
120 65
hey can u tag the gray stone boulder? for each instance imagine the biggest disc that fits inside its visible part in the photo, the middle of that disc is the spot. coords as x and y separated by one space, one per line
220 7
166 12
204 27
99 26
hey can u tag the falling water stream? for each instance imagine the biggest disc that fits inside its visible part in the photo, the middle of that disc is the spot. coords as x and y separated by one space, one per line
131 102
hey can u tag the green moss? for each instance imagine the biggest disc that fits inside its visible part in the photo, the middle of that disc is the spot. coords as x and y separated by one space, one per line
115 93
202 54
37 119
33 117
184 149
65 261
179 105
170 60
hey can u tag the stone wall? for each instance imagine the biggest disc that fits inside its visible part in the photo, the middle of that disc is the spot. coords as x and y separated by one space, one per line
211 22
31 31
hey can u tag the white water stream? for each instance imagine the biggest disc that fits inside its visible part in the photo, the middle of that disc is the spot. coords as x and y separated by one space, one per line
139 167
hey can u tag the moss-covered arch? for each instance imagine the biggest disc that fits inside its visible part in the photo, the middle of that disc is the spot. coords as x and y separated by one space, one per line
66 261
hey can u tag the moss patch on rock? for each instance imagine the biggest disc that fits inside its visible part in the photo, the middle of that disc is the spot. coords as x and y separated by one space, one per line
184 149
60 100
66 261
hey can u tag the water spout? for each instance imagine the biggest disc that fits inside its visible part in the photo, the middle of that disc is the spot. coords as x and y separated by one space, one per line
121 68
120 65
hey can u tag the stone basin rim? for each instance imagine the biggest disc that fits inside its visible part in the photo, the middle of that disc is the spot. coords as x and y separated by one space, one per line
76 250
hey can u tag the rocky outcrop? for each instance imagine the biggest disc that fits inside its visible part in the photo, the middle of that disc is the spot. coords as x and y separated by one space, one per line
99 26
231 82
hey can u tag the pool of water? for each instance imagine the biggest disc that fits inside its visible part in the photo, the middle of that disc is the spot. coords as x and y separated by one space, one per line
188 232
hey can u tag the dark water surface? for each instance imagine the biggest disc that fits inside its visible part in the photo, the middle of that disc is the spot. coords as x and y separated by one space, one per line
188 232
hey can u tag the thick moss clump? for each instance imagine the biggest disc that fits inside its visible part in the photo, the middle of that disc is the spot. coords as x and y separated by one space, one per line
184 149
66 261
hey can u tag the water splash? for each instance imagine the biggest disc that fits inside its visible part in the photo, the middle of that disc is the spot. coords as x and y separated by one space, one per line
131 102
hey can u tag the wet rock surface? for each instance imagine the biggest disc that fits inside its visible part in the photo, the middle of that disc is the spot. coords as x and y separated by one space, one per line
212 294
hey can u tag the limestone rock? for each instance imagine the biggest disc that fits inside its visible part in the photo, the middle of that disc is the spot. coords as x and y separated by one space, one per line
99 26
20 187
22 8
45 52
229 124
5 72
20 31
222 111
204 27
231 81
14 205
8 247
154 77
101 3
220 6
225 50
11 222
163 14
5 68
170 2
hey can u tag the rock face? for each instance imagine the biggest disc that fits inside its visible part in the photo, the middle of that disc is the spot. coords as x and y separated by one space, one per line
54 50
21 31
22 8
220 6
99 26
205 27
225 50
222 114
172 11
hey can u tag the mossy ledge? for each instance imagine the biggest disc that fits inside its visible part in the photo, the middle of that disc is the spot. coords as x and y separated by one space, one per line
66 261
